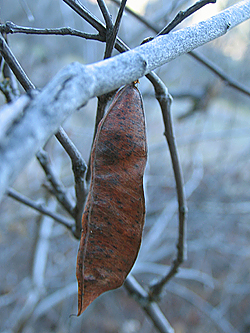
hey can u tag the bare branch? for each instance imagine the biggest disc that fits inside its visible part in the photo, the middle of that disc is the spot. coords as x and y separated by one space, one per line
15 66
55 103
59 189
40 208
106 15
11 28
139 17
94 21
182 15
9 85
219 72
114 32
79 168
164 99
87 15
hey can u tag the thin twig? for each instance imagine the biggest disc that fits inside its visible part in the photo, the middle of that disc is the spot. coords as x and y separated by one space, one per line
79 168
138 16
87 16
9 85
58 187
164 99
220 73
109 29
40 208
106 14
115 29
15 66
95 22
11 28
182 15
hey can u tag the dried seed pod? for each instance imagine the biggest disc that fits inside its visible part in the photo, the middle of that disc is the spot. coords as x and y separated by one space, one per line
114 214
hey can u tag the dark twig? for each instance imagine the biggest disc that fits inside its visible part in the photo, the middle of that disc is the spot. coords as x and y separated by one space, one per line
152 309
106 14
15 66
115 30
9 85
58 187
224 77
87 16
139 17
109 29
164 99
95 22
79 168
11 28
40 208
182 15
206 62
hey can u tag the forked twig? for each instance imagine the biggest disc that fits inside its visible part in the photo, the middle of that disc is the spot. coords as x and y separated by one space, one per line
106 16
87 16
110 44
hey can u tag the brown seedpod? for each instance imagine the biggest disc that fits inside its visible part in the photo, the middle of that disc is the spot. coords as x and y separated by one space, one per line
114 214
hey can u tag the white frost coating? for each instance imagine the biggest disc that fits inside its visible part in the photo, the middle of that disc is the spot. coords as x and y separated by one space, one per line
76 84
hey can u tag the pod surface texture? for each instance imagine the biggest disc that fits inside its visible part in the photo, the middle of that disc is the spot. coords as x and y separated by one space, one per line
114 214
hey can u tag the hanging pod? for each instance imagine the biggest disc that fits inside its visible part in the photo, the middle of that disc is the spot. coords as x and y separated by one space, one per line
114 214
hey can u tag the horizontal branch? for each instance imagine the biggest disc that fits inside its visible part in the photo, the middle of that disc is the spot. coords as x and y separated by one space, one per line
11 28
72 87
